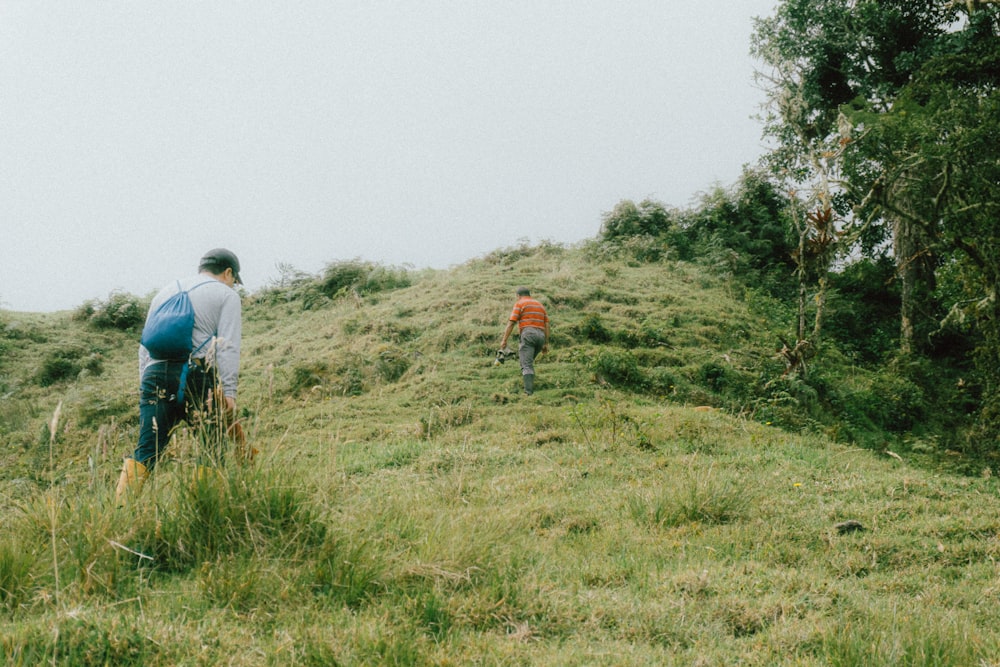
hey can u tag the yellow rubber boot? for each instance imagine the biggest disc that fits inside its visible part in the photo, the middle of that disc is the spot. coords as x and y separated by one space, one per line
130 481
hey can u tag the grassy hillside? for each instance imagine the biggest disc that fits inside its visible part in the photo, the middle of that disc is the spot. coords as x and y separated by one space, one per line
411 507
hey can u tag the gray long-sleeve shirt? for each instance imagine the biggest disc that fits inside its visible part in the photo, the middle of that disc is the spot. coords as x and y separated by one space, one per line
218 314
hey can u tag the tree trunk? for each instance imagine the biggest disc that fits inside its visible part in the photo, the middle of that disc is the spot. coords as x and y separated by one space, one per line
820 307
905 251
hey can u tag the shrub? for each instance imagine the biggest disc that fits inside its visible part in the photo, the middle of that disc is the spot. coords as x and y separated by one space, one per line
308 376
384 279
863 309
725 381
664 381
121 311
85 311
891 402
346 378
787 402
340 277
294 286
593 329
66 363
351 376
627 219
654 333
391 362
620 367
362 277
743 232
59 365
56 369
510 255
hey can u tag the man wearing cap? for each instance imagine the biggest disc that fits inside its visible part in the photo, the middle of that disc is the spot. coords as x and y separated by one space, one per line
215 362
533 331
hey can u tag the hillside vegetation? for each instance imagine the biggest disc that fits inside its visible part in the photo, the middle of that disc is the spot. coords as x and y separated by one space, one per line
665 496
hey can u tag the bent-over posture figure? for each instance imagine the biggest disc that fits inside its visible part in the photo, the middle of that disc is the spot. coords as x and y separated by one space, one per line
210 371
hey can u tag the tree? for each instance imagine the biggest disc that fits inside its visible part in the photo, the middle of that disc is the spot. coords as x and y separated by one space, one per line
904 97
826 56
949 117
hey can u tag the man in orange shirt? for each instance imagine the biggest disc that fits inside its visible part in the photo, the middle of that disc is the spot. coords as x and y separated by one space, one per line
533 331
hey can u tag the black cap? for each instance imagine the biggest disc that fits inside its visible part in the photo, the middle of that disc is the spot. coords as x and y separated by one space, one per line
523 291
219 260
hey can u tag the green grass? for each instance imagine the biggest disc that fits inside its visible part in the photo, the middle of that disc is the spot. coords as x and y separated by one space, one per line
410 507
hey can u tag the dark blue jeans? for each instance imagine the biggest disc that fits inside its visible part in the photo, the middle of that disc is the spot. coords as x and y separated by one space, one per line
159 409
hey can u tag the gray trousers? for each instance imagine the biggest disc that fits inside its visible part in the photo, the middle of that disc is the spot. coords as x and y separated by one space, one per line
532 342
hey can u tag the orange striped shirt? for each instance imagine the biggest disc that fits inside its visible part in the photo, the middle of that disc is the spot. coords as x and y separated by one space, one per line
529 313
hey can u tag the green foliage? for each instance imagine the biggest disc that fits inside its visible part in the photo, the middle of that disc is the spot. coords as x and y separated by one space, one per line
522 251
221 513
359 277
57 368
620 368
872 640
628 219
308 376
15 573
637 234
66 363
120 311
299 287
339 279
789 402
232 582
726 381
613 426
80 641
100 408
894 106
864 310
702 497
437 516
744 233
5 344
391 362
16 413
347 571
593 329
894 403
630 250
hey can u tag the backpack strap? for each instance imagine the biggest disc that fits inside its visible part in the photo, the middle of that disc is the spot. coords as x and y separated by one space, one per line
187 366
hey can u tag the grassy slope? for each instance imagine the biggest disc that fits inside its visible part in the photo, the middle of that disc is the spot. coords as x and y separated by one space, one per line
411 507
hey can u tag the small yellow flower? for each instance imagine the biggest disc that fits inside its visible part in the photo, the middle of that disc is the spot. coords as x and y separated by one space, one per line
797 484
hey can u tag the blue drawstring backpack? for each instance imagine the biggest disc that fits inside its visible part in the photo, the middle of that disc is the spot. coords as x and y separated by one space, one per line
169 331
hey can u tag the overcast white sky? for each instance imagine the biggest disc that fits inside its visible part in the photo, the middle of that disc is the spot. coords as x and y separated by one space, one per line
136 135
